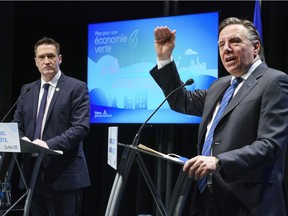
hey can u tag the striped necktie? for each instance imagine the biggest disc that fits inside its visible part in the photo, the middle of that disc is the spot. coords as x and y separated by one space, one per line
206 151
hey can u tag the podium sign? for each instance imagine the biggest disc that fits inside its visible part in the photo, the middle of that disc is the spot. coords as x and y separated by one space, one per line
9 137
112 147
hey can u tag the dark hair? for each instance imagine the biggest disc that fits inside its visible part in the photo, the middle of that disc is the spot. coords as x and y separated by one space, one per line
253 33
46 40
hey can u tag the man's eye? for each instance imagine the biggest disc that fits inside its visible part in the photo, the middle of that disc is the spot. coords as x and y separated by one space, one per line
50 56
235 41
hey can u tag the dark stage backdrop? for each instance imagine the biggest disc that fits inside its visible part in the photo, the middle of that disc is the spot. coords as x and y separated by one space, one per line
23 23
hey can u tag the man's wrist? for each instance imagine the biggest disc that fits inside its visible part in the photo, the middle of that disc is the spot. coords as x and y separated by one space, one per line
218 163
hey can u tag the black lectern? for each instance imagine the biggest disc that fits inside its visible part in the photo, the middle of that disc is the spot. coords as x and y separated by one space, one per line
132 153
26 147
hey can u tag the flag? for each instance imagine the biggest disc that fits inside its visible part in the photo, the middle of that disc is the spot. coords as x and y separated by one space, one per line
257 18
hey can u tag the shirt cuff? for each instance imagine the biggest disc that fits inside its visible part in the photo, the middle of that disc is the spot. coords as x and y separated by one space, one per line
161 64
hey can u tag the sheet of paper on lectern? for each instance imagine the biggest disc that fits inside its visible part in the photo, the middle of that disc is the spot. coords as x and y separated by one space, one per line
9 137
112 147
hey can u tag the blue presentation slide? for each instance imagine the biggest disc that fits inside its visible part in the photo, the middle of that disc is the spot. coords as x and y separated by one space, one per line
121 54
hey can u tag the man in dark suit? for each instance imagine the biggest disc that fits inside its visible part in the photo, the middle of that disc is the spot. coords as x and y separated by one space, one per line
244 167
65 124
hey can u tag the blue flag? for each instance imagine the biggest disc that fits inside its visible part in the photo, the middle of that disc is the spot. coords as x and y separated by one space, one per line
257 18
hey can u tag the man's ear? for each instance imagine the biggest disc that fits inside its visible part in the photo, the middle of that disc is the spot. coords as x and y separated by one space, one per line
60 59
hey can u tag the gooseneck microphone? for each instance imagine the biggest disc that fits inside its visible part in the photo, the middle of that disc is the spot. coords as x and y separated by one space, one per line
25 91
137 136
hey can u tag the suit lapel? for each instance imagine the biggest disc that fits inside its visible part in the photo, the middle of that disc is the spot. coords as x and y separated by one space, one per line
247 86
216 95
36 92
57 92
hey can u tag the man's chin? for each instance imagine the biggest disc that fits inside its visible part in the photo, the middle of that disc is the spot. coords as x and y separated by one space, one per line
48 75
47 72
231 68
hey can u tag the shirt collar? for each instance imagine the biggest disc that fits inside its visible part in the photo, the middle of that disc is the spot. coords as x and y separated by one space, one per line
54 81
251 69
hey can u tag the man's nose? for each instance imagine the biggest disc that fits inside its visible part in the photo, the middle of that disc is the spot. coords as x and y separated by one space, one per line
46 60
227 48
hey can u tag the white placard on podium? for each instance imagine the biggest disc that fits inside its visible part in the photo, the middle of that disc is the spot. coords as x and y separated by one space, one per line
9 137
112 146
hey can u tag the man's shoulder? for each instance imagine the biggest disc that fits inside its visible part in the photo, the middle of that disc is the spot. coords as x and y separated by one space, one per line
71 79
266 68
274 73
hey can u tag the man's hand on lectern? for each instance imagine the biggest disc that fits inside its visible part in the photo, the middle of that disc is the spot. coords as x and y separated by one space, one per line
40 143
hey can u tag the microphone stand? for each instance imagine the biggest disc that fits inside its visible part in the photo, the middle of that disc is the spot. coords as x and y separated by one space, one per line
128 156
11 160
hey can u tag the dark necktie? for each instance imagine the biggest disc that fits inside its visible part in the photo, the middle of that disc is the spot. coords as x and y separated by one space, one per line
206 151
37 132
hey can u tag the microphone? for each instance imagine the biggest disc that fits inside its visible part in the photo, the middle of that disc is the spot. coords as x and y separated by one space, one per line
25 91
137 136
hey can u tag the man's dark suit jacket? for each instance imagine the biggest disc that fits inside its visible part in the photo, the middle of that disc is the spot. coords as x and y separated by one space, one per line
250 138
66 126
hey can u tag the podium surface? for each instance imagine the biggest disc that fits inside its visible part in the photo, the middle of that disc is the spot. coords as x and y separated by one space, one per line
29 147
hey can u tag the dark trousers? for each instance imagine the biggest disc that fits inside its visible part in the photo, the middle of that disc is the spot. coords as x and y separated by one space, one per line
46 202
206 204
